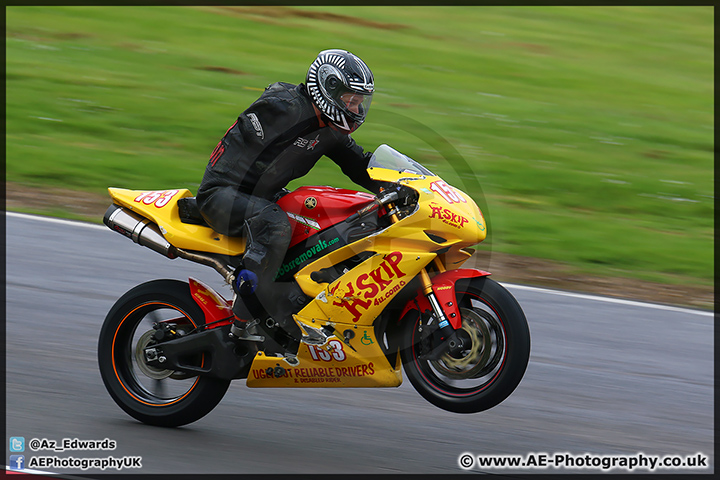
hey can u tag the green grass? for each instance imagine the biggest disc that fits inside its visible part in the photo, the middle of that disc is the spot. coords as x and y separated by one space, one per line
585 133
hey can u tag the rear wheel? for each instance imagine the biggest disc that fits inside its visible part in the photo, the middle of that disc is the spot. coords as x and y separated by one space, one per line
150 394
496 351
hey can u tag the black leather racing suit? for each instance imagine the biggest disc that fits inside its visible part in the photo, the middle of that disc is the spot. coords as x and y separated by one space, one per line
278 138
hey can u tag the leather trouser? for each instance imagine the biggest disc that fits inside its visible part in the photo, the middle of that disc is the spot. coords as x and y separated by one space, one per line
267 230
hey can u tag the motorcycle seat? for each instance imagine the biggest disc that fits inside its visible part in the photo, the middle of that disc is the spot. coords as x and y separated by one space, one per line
189 212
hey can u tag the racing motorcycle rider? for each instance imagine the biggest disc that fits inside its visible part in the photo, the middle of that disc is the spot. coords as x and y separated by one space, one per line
280 137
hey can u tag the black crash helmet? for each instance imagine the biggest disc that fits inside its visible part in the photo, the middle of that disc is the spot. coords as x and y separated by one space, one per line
341 86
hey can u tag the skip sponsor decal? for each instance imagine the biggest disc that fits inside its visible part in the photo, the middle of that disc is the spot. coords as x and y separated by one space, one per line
379 300
375 286
447 216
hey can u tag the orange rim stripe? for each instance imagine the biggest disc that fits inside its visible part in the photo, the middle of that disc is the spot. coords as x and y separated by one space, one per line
115 368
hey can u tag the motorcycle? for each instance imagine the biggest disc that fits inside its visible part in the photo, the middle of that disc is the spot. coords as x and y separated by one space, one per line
382 291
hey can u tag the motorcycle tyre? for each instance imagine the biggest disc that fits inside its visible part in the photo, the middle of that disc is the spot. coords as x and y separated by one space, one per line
205 393
517 344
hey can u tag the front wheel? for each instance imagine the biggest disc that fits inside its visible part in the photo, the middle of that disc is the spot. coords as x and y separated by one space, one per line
496 351
152 395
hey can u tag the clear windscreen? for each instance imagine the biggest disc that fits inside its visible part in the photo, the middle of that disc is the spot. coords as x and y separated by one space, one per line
389 158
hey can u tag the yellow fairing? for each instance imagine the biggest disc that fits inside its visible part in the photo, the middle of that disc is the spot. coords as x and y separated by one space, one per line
333 364
445 222
161 207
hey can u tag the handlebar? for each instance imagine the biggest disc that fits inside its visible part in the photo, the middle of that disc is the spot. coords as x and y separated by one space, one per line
378 202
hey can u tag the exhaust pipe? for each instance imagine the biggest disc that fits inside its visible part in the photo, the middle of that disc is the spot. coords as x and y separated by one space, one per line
140 230
144 232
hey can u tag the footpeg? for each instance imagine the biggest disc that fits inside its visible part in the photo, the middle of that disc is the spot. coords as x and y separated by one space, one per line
243 333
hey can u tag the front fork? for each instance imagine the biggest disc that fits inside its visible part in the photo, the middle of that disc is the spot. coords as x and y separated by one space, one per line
438 310
449 341
444 309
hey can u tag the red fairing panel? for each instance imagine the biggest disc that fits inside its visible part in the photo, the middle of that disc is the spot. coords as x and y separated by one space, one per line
213 305
444 288
313 209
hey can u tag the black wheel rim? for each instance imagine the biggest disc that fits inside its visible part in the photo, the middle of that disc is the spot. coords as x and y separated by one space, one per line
478 366
147 384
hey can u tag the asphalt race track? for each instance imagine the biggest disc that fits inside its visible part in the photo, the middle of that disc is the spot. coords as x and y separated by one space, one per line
605 378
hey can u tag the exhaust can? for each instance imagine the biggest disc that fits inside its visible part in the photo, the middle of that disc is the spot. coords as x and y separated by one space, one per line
140 230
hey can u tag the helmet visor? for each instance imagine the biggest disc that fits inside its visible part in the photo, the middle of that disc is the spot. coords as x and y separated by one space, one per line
353 104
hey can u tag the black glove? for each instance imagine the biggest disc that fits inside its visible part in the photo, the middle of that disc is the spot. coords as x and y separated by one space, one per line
280 194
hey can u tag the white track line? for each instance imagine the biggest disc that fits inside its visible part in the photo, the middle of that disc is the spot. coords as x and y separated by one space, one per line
72 223
620 301
633 303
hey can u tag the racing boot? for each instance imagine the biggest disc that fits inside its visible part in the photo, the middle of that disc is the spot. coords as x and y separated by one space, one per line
245 306
268 236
